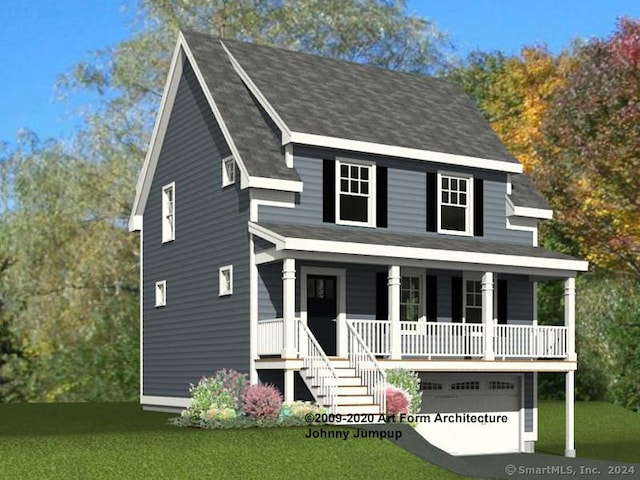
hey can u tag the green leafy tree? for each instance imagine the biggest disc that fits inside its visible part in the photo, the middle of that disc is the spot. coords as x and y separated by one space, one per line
71 291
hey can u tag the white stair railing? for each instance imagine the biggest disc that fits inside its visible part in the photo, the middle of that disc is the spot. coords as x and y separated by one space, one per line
367 367
318 366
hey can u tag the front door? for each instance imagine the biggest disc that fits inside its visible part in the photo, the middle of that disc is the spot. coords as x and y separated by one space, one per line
321 310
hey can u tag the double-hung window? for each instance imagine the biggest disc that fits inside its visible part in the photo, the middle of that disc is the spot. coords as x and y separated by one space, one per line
410 298
355 193
168 213
473 301
455 204
226 280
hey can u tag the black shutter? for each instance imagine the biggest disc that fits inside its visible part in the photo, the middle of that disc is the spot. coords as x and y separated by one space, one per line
381 197
329 191
432 298
502 302
478 207
456 299
382 296
432 202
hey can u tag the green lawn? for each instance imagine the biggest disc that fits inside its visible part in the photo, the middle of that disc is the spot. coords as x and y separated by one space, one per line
121 441
603 431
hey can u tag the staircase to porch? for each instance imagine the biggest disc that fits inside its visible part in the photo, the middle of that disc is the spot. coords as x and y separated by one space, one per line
351 394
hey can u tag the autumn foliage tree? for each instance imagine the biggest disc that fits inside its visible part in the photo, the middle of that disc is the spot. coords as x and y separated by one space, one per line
590 156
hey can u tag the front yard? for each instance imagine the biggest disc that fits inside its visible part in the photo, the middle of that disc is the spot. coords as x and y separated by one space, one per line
119 440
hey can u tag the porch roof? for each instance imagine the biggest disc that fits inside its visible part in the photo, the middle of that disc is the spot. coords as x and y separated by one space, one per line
374 242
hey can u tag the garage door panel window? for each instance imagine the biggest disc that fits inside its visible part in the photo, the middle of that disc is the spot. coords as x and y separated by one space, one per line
471 385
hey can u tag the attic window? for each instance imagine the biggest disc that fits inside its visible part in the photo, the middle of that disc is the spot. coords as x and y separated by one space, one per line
168 213
355 193
228 171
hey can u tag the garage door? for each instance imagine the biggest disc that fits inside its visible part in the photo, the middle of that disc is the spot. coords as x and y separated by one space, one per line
471 415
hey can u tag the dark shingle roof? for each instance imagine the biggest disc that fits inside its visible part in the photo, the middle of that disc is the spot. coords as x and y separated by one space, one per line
436 242
524 193
334 98
258 144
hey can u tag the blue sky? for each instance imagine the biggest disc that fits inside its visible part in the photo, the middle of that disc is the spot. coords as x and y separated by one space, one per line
39 39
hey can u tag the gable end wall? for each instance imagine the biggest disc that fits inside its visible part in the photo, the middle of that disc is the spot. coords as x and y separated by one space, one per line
198 332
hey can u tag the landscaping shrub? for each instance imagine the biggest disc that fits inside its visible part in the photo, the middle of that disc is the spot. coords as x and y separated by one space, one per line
397 400
293 414
209 393
262 401
409 382
233 382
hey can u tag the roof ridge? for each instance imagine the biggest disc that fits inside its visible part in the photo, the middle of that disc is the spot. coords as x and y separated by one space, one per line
416 75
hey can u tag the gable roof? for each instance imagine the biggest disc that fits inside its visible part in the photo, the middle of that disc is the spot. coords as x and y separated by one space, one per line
266 98
332 98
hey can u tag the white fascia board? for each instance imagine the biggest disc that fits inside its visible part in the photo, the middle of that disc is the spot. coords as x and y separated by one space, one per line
135 223
253 88
275 184
165 401
539 274
274 198
157 137
403 152
303 244
530 212
420 365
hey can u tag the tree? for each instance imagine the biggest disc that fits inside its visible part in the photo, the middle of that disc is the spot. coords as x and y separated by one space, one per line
590 160
71 290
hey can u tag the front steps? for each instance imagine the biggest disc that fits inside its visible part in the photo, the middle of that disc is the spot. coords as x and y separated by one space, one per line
352 394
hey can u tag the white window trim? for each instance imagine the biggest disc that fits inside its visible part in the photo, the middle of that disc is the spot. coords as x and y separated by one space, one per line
414 272
226 181
469 277
371 204
222 291
468 232
168 233
161 300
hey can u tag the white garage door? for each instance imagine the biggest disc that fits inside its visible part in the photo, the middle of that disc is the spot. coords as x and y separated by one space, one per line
472 415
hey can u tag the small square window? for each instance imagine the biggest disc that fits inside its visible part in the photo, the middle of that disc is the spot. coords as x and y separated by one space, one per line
226 280
161 293
228 171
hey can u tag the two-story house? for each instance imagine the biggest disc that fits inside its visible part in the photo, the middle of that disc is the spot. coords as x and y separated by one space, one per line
315 223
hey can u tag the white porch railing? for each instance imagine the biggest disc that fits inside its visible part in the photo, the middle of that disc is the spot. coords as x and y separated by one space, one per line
427 339
270 336
318 366
367 367
529 341
375 334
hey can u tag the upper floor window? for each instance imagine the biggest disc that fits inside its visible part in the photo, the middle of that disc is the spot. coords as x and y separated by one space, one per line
226 280
161 293
168 213
454 204
228 171
355 192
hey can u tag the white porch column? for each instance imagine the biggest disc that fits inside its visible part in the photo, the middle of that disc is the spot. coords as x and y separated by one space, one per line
570 316
570 447
289 308
394 312
487 314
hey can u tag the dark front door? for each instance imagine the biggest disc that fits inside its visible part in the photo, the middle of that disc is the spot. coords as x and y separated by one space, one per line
321 310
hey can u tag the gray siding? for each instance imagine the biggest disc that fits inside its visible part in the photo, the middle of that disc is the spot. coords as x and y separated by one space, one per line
270 291
198 332
529 402
406 201
519 299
